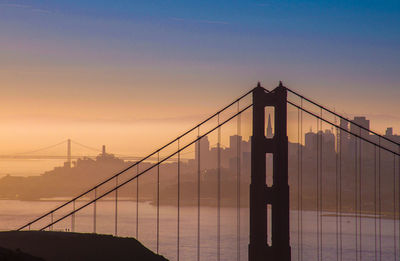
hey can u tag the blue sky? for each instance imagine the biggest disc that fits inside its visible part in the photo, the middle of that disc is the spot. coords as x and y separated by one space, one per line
351 38
89 55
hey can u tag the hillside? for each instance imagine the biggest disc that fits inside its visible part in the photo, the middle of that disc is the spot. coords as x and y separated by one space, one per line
63 246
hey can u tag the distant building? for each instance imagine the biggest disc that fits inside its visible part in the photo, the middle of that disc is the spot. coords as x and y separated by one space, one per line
204 145
328 146
396 138
389 131
327 138
362 121
344 135
233 142
269 134
311 141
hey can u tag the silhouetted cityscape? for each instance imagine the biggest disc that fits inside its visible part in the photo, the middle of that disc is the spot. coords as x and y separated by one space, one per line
72 178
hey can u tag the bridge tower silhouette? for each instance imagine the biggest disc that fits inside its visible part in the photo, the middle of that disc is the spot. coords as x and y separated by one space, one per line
277 195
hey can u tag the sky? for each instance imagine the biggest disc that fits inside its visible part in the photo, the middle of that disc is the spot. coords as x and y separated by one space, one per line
135 74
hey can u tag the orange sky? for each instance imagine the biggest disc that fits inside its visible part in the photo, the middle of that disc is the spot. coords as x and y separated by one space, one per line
135 81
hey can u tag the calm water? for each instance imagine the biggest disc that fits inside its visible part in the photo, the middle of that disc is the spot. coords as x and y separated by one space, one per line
16 213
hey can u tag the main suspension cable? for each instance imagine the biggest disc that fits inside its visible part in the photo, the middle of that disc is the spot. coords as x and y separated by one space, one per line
138 162
343 118
343 129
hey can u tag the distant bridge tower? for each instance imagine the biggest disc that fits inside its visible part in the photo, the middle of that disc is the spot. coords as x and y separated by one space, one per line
261 195
69 152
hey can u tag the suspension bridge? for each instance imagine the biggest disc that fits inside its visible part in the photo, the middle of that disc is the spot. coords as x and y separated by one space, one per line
329 195
43 153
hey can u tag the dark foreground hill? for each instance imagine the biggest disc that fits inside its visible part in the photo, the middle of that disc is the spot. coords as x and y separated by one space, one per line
60 246
17 255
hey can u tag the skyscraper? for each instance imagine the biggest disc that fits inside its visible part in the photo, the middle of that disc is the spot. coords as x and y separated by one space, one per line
269 128
204 148
362 121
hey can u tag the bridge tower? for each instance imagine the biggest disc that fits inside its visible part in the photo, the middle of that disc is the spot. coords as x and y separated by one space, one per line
69 152
261 195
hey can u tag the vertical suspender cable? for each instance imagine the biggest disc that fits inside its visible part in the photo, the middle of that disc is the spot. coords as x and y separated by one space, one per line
95 211
356 190
198 194
340 195
158 201
301 181
380 200
394 207
318 213
398 193
238 156
320 185
298 184
137 204
359 192
219 195
375 205
179 203
336 192
116 207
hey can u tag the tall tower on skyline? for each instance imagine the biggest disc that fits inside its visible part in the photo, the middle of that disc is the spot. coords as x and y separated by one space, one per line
269 128
362 121
69 152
